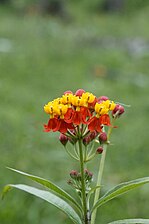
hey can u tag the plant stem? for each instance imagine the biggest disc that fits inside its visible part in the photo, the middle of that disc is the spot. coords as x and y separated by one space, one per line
99 178
84 203
100 174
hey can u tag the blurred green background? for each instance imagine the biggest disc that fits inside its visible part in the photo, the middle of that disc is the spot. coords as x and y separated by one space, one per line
48 47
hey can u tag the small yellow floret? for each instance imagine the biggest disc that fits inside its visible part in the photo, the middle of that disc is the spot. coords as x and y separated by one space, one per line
109 104
48 108
112 105
101 109
78 101
60 110
57 101
89 97
67 98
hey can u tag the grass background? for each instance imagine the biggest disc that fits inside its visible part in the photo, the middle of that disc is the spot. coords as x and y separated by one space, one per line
40 58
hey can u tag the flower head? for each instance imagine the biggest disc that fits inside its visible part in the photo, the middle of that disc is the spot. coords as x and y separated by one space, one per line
82 108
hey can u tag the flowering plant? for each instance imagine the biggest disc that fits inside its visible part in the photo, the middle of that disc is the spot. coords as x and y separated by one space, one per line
85 123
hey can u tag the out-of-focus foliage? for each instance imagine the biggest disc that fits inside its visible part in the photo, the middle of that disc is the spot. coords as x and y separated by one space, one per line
94 6
40 58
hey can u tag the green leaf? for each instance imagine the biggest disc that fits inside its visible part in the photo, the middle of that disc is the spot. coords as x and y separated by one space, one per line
5 190
54 188
131 221
49 197
119 190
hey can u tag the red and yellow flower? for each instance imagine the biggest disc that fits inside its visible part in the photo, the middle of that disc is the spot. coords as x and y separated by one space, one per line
81 108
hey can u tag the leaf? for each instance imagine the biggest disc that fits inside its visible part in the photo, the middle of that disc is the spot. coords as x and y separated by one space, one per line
49 197
119 190
5 190
54 188
131 221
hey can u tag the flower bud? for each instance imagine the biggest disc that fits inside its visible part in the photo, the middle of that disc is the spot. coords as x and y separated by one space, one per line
99 150
68 92
93 135
86 172
102 98
63 139
88 175
86 140
74 174
103 137
70 182
118 110
79 92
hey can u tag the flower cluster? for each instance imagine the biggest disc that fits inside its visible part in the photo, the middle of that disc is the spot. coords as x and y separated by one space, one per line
71 110
76 178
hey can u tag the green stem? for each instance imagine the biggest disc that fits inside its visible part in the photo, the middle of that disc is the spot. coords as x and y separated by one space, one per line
100 174
84 203
99 178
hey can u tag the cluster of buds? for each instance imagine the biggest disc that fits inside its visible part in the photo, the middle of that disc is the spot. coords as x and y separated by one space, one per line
103 140
90 137
64 139
75 180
